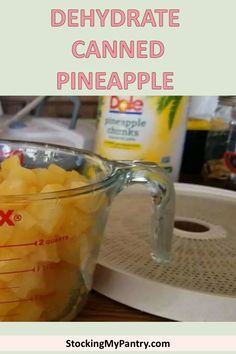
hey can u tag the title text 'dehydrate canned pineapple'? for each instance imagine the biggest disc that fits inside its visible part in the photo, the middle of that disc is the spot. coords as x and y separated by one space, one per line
143 128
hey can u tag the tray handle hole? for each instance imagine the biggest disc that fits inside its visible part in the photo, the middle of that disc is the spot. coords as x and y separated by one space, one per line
190 226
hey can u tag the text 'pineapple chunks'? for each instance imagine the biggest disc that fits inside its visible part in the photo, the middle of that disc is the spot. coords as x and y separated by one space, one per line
46 243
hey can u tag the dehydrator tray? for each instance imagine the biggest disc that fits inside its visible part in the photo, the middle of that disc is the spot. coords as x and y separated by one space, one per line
199 284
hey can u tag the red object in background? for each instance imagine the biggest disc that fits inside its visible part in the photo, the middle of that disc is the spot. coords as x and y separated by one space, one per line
230 161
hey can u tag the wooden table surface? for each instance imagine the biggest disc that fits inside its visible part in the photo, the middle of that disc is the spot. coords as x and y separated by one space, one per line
102 309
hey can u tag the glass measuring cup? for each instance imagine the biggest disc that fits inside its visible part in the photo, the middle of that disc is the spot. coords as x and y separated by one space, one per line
49 241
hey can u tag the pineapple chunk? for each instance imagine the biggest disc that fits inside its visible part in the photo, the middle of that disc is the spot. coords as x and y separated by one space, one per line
60 174
65 283
44 177
8 301
26 312
74 176
48 250
52 188
9 164
90 203
49 215
13 186
76 222
24 174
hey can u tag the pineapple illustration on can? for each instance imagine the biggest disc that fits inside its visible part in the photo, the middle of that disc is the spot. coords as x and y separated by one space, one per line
143 128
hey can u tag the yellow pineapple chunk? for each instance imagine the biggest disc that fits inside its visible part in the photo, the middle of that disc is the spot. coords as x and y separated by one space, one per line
74 176
8 301
48 246
23 174
44 177
60 174
9 164
13 186
76 222
49 215
52 188
90 203
26 312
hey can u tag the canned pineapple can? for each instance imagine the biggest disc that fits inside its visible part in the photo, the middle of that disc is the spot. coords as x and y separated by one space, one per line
143 128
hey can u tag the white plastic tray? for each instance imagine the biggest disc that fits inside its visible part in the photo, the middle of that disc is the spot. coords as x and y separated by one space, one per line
200 282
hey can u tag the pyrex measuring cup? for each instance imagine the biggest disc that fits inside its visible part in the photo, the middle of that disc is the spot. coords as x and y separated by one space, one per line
49 241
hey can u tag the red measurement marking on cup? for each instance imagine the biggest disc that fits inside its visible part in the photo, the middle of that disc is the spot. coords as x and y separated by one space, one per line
10 288
40 242
35 269
14 301
9 316
44 267
52 241
10 259
30 299
42 296
18 271
20 245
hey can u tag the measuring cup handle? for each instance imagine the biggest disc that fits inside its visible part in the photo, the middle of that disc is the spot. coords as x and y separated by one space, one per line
162 191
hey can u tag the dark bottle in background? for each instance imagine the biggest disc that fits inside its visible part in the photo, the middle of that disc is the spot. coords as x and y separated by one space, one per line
201 111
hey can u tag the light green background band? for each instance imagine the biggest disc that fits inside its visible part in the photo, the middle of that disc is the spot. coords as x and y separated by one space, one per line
201 53
114 328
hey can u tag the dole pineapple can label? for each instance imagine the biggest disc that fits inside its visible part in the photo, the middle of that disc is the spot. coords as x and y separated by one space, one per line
143 128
